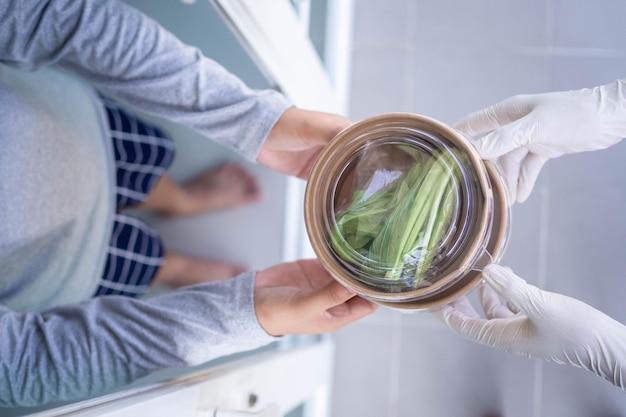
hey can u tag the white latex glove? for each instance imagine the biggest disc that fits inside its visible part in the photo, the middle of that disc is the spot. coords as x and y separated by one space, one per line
527 130
541 324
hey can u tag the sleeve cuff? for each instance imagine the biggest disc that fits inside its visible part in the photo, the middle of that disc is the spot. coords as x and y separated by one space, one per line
272 105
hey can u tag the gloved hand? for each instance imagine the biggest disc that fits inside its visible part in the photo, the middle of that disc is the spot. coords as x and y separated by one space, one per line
541 324
527 130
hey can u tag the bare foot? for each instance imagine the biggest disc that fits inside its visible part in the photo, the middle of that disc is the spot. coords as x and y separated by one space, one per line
181 270
226 186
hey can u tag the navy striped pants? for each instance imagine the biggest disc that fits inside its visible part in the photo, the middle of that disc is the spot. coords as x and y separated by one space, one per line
142 154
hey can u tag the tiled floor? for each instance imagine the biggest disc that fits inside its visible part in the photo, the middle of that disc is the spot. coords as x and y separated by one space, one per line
446 59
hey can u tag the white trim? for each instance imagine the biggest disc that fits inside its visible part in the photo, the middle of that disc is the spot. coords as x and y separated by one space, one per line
271 32
277 40
338 49
286 378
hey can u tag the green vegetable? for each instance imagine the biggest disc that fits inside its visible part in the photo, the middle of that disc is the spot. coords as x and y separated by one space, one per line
394 233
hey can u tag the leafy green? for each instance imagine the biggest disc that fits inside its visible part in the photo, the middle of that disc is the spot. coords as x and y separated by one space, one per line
394 233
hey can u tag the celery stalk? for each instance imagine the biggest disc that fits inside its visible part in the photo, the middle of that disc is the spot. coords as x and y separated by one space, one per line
438 227
389 244
415 220
395 232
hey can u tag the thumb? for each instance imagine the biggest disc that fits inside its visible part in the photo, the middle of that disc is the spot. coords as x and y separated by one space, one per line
505 122
493 117
503 140
480 122
338 306
329 296
513 288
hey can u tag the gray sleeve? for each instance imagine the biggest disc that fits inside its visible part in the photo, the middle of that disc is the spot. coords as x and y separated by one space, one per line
79 351
120 50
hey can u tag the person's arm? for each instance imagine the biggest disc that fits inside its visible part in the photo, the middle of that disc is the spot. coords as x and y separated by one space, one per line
120 50
525 131
525 320
78 351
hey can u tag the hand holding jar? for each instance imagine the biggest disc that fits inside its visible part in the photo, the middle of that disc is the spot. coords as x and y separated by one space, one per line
522 319
525 131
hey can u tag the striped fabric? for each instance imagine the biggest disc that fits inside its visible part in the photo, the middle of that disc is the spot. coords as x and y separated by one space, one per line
134 255
142 154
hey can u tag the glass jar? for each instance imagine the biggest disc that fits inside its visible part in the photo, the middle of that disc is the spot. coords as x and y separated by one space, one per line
401 209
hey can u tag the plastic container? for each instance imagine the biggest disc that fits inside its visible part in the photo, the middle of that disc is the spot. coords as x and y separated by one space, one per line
401 209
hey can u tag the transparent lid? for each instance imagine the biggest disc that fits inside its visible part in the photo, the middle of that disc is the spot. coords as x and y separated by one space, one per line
406 208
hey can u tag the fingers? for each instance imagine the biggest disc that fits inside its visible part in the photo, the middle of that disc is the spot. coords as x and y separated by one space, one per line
511 128
503 140
319 127
337 306
520 170
332 298
510 166
334 124
463 305
302 298
461 308
493 306
503 280
329 296
352 310
528 175
314 271
457 320
513 289
482 121
502 333
493 117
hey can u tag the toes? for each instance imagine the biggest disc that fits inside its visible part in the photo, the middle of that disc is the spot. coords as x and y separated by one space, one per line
229 185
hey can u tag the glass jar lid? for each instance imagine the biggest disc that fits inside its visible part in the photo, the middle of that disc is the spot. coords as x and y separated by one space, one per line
396 210
403 207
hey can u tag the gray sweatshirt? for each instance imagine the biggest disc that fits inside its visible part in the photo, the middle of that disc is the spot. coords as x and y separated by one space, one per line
56 198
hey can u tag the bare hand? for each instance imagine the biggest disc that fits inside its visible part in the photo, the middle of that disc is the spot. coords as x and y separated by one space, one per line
302 298
297 139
